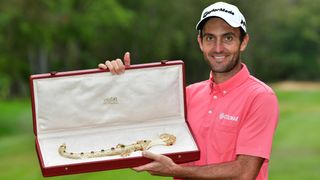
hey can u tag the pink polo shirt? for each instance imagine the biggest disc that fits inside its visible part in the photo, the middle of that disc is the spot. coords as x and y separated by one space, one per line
238 116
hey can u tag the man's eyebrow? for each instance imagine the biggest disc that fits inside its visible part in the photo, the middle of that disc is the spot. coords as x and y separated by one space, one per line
229 33
207 34
224 34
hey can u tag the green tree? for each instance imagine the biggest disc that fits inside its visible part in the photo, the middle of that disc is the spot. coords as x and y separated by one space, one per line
38 36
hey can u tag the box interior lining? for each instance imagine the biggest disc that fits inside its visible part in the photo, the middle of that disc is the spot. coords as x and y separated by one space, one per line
93 111
106 138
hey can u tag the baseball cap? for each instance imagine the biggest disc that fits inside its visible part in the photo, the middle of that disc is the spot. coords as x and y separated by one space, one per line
227 12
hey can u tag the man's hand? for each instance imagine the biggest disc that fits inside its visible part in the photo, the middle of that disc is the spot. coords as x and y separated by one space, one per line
244 167
161 166
116 66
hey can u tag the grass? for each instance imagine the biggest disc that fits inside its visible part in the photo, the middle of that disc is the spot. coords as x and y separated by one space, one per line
295 154
15 117
296 145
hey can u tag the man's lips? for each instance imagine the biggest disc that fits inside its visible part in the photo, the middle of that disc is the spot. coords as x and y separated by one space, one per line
218 58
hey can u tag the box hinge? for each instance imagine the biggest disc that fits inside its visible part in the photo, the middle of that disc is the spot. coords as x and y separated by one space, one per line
164 61
53 73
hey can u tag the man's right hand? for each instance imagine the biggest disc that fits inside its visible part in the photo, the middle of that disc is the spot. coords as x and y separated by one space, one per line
116 66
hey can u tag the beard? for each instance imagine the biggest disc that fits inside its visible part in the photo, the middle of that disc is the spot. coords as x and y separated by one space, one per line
223 67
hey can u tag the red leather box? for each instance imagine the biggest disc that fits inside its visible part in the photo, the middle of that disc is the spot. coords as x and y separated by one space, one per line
93 110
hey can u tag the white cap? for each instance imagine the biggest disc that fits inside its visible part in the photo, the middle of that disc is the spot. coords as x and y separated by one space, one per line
227 12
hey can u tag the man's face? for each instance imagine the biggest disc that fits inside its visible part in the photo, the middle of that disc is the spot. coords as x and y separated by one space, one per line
221 47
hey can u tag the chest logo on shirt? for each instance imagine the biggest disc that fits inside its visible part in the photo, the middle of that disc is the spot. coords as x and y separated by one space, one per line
223 116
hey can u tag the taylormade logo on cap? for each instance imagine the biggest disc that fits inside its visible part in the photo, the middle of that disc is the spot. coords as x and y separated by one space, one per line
227 12
213 10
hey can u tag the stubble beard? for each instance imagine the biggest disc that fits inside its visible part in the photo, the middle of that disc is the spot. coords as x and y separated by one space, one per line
224 69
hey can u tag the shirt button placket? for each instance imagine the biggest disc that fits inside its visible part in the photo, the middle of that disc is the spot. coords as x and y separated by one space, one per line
210 112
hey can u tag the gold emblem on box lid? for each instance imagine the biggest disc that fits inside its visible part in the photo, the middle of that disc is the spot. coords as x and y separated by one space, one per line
110 100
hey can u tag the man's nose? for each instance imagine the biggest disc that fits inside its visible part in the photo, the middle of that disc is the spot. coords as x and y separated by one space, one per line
218 47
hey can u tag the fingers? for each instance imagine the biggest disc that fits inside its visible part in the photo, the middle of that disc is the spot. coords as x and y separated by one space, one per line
150 155
158 160
116 66
162 165
121 67
127 59
149 166
111 67
102 66
143 167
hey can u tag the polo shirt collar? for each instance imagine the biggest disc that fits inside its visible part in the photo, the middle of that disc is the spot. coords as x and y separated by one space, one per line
231 83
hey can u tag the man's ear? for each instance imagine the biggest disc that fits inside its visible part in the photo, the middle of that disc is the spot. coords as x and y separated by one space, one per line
200 42
244 42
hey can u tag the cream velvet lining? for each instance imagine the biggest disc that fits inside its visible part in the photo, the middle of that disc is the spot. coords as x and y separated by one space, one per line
97 111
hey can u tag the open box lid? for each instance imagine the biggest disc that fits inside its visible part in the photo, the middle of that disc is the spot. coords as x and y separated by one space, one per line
93 98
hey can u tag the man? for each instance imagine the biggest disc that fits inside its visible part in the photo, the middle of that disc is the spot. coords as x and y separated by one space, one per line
233 115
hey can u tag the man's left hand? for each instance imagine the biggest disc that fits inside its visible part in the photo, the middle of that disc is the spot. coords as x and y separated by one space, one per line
161 166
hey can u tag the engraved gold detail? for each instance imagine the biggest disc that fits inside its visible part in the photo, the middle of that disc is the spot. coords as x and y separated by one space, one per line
120 149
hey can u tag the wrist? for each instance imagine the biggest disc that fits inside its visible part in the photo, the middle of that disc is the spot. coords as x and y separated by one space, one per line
184 171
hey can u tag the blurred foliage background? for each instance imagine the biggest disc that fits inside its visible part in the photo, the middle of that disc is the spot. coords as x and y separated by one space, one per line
39 36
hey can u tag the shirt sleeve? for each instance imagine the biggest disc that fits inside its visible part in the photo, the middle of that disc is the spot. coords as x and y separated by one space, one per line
257 130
